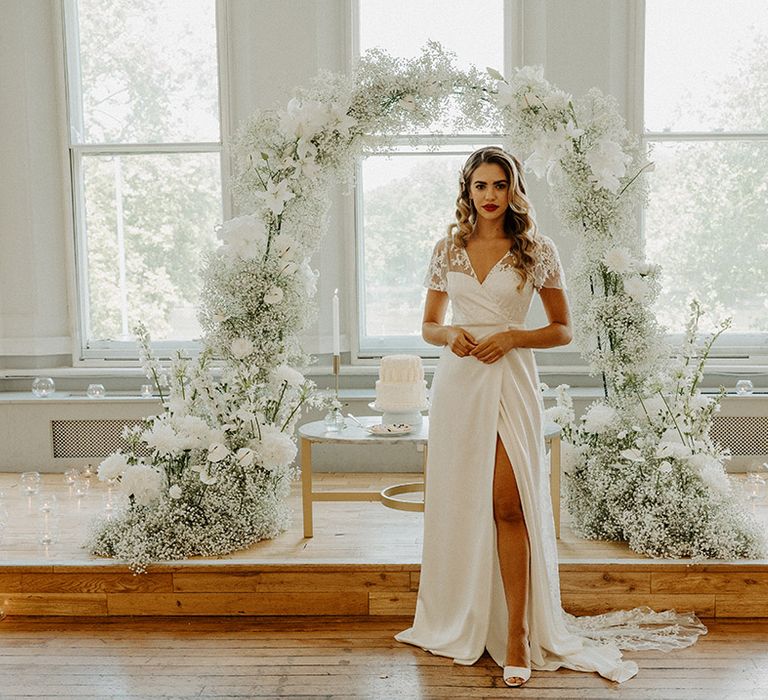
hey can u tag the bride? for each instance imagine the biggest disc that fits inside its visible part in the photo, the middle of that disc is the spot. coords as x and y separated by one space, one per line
489 576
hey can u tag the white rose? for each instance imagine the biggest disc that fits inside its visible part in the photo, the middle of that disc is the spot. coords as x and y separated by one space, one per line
113 466
217 451
241 347
665 467
274 295
175 492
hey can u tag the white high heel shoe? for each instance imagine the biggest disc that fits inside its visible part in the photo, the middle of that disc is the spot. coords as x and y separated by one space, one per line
513 674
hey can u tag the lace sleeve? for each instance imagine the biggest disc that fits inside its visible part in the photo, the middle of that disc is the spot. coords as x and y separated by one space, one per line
548 271
437 273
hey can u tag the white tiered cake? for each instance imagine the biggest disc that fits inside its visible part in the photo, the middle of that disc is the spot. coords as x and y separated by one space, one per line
401 387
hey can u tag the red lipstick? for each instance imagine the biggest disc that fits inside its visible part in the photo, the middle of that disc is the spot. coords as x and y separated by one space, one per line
490 207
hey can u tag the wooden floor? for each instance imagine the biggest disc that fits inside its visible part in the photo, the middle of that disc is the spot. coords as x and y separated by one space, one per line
335 658
363 560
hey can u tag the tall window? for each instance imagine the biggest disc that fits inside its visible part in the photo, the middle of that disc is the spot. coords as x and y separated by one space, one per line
406 198
145 150
706 118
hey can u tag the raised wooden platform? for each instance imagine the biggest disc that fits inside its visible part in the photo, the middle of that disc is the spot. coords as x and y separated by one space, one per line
363 560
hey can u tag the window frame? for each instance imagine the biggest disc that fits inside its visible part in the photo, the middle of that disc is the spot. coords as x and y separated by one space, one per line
733 352
115 352
512 55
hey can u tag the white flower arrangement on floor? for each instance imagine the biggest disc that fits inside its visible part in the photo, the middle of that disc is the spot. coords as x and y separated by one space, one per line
217 467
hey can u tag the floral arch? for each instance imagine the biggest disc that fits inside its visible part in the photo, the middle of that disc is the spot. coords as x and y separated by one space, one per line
642 467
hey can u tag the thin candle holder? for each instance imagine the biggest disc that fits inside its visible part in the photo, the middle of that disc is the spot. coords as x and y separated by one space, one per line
336 367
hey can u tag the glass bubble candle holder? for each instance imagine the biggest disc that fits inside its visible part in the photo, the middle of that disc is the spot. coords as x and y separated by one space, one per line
42 387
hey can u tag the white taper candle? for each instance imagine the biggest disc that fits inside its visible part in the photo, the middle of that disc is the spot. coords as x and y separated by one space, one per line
336 341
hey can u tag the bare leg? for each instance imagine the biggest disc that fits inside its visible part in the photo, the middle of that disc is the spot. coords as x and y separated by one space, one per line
514 556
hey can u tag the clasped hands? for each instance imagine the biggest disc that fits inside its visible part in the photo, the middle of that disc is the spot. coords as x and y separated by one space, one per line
488 350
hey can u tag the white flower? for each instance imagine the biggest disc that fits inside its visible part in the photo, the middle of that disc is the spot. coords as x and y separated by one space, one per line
241 347
699 401
194 432
142 482
163 438
276 195
618 260
274 295
637 288
244 236
284 373
207 478
665 467
217 451
276 449
599 417
113 466
285 247
608 163
175 492
632 454
244 457
309 277
559 415
303 119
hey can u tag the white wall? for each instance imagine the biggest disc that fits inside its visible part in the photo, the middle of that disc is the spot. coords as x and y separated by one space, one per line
273 45
34 315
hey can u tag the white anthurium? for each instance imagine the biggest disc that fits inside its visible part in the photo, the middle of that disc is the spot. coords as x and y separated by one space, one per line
175 492
632 454
207 478
217 451
245 457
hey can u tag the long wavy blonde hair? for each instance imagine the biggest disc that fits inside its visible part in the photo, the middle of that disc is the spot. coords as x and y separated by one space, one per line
519 222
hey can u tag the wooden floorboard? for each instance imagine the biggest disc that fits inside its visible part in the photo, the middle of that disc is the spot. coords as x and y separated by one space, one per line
363 560
335 658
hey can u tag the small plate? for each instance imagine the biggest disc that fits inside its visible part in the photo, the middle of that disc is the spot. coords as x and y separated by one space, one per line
390 429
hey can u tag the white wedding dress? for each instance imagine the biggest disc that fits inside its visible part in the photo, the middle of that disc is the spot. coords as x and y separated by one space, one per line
461 608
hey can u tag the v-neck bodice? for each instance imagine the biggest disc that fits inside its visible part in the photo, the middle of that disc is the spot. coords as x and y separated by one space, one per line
499 299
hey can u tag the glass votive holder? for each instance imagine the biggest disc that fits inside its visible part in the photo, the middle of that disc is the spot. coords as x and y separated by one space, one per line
744 387
30 483
42 386
71 475
147 391
47 529
334 421
87 472
47 503
81 486
95 391
755 487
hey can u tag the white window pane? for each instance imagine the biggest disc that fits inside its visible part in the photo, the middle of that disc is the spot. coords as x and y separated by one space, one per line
149 220
707 225
408 202
474 31
148 71
706 65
